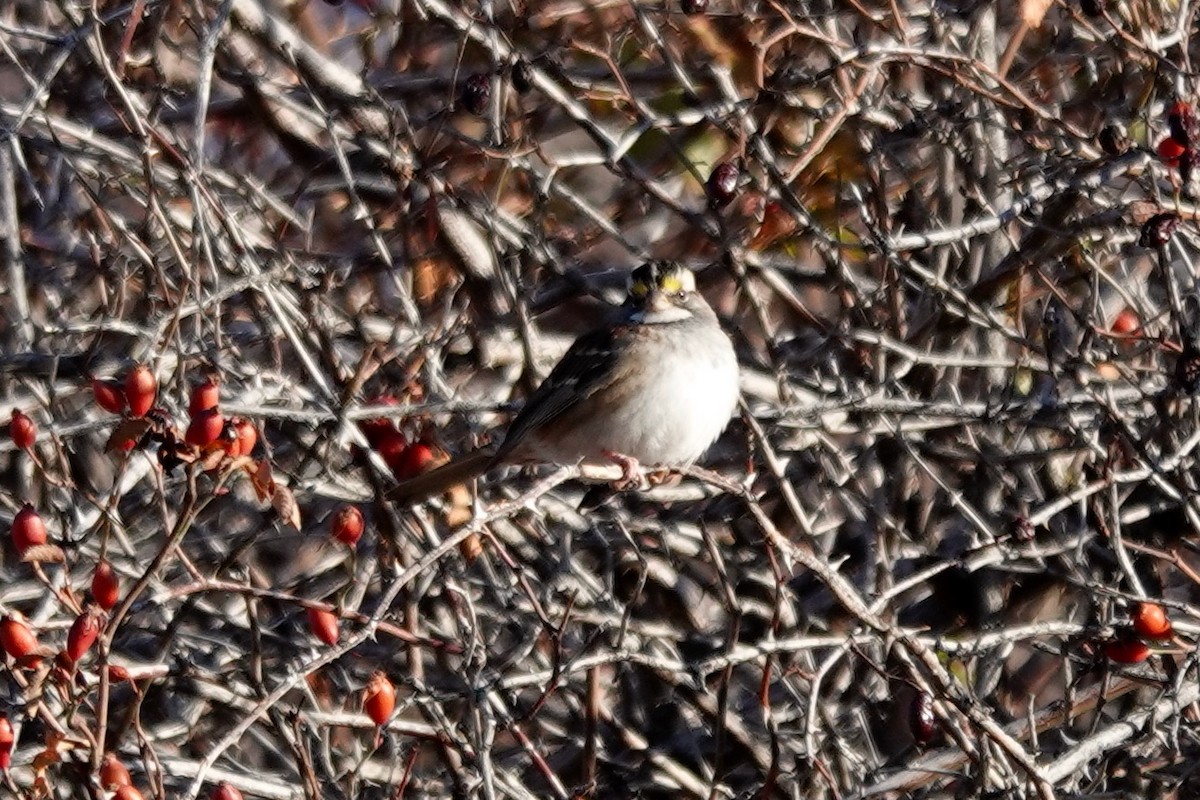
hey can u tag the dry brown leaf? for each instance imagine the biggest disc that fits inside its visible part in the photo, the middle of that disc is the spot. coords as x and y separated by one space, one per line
285 505
44 553
471 547
459 506
262 479
129 430
777 223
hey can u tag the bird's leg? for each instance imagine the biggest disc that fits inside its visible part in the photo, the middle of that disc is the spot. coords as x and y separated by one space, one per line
630 469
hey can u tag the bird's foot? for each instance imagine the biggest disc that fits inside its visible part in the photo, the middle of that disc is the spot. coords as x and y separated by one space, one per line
631 471
662 476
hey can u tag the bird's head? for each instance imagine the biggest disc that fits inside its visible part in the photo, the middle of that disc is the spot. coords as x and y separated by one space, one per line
662 291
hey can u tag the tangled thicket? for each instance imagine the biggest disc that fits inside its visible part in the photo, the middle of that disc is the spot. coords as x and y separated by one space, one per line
958 269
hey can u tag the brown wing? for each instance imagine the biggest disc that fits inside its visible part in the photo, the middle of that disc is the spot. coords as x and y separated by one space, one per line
587 366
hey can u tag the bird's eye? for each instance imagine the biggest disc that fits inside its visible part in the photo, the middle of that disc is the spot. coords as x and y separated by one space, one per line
681 294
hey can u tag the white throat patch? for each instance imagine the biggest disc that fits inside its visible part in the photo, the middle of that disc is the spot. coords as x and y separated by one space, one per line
669 314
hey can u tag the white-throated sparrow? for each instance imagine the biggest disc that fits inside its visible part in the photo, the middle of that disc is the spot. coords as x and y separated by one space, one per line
656 385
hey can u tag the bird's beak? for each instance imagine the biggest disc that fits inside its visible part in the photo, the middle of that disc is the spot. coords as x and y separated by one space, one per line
657 301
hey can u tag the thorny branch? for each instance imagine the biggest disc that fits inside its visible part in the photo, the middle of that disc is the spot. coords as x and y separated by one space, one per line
958 263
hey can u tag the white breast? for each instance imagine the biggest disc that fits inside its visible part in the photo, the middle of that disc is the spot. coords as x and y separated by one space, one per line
677 410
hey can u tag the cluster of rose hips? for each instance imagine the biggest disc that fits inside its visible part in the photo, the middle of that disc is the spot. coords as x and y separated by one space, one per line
29 538
404 458
208 429
1148 621
209 437
17 637
209 434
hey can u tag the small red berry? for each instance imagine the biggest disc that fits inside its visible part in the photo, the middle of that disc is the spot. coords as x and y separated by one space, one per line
417 459
1125 323
28 530
324 625
83 634
205 428
110 395
1171 151
1127 651
392 450
204 397
1150 621
106 587
22 430
379 429
346 525
228 440
226 791
379 698
247 436
6 742
113 774
140 390
16 638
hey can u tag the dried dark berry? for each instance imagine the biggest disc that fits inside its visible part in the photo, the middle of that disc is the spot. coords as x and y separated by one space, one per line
1113 141
521 79
476 92
921 721
1093 8
722 184
1022 529
1187 370
693 6
1159 229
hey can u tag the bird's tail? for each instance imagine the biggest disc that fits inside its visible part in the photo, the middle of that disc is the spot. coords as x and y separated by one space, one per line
438 480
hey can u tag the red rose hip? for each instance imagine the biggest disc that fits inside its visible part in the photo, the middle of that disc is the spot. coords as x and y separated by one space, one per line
140 390
28 529
83 634
379 698
22 430
324 625
346 525
106 588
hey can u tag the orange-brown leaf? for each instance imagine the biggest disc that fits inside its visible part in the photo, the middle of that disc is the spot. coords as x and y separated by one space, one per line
261 479
129 430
